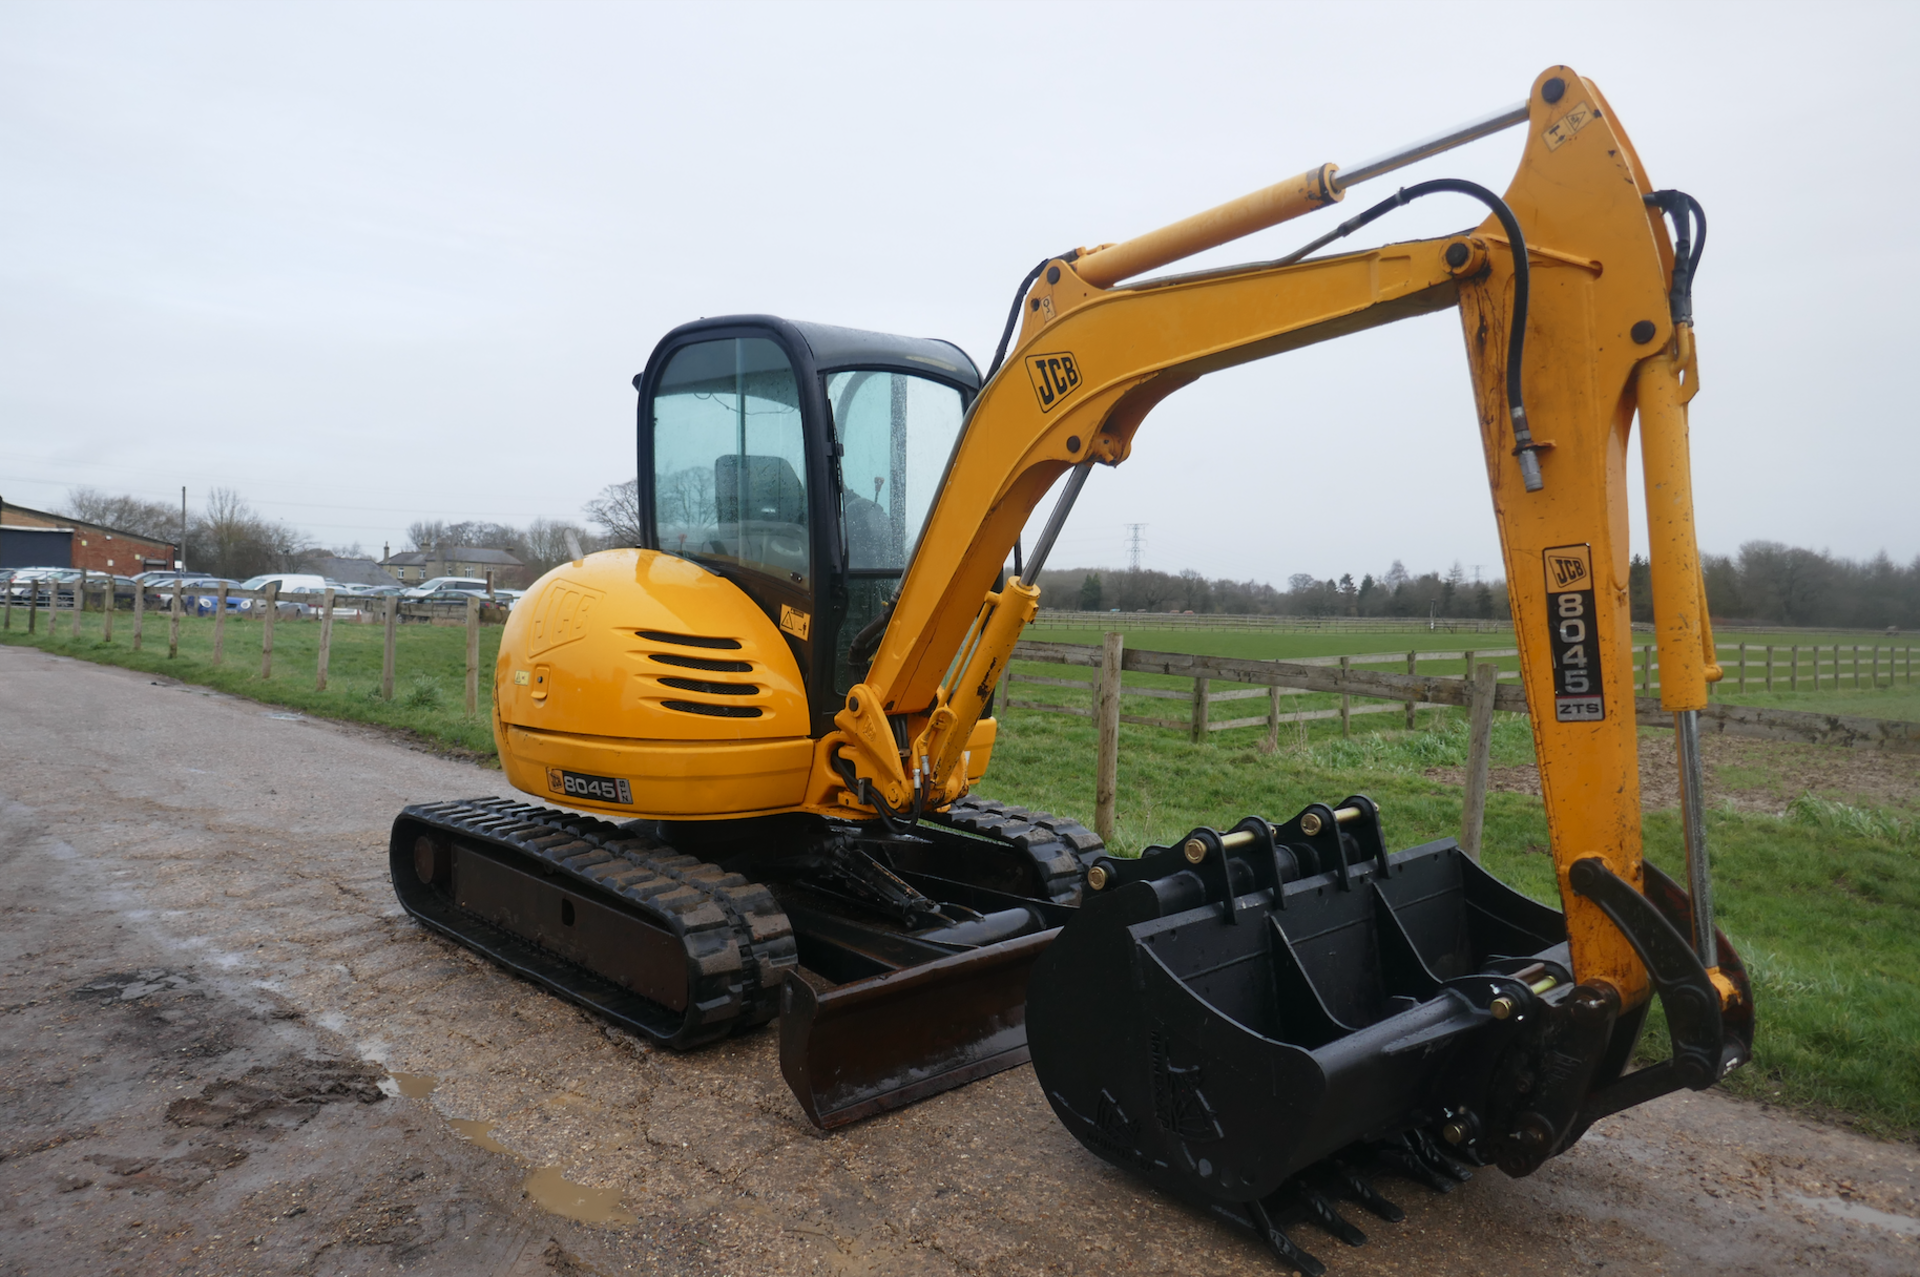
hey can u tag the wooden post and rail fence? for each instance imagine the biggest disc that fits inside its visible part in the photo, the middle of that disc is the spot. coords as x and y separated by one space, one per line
1482 694
88 594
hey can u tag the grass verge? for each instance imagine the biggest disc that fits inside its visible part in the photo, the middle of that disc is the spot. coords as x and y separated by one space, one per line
430 669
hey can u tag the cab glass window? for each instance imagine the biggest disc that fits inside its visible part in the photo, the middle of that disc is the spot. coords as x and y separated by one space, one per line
729 458
896 432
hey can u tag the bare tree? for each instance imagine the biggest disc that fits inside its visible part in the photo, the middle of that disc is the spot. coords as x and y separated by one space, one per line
156 520
616 511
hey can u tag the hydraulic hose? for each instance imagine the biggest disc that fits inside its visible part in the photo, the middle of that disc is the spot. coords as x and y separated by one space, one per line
1689 242
1013 313
1523 444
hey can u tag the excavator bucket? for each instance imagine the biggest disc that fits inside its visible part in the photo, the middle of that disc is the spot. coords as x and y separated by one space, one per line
1259 1021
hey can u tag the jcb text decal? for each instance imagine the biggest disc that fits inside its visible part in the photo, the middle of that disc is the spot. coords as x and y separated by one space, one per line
1054 376
1577 697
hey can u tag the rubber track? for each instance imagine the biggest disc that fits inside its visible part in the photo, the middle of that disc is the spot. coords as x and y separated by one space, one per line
738 940
1061 849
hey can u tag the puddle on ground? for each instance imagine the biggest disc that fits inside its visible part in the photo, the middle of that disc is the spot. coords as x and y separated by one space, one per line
547 1187
415 1086
554 1191
1905 1225
480 1133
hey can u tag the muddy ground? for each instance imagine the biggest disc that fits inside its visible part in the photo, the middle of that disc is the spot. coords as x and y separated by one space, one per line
224 1049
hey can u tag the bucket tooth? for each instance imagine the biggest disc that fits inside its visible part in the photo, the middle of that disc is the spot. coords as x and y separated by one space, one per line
1353 1185
1284 1248
1433 1155
1405 1157
1322 1212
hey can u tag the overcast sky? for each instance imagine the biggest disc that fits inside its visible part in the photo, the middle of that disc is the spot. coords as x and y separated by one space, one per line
368 264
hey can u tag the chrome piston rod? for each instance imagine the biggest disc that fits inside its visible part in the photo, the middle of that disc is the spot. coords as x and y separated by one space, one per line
1472 131
1693 821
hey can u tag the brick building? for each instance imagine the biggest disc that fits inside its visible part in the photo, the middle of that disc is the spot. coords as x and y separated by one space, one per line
39 539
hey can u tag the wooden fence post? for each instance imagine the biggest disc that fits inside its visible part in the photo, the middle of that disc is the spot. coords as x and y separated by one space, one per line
1346 701
1273 718
386 660
326 641
1646 669
33 609
80 602
1479 757
1106 782
220 626
1876 667
139 611
1412 706
1198 732
1743 667
1836 664
473 655
1816 667
271 597
173 623
106 620
6 587
1769 667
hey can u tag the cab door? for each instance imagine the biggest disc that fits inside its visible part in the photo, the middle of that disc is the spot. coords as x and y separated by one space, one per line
729 479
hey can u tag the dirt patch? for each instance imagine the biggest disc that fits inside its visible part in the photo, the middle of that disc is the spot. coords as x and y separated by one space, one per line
282 1096
1748 775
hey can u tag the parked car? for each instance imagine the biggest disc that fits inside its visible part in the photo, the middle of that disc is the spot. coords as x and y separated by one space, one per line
290 583
47 583
203 595
426 588
453 603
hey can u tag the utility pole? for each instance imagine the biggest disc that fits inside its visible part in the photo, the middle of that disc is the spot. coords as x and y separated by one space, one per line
1133 546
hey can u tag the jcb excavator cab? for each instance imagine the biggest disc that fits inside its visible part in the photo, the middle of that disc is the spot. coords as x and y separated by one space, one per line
799 461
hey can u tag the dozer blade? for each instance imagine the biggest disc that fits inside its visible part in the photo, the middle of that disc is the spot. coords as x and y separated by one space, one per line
1259 1021
891 1040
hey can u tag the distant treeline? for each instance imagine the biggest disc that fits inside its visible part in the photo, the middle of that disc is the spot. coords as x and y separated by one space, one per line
227 537
1397 593
1778 584
1765 583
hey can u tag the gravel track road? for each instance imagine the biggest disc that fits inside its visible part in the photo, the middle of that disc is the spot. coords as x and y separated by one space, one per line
224 1049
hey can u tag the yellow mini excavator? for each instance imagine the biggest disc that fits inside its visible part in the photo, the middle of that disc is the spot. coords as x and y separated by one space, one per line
774 707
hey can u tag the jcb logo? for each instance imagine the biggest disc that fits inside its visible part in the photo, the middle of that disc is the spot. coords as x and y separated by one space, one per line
1568 571
1054 376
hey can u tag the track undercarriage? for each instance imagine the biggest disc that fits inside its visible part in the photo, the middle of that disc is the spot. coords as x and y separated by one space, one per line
897 962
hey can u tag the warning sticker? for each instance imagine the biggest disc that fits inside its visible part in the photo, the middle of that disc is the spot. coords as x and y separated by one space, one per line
1562 130
1572 635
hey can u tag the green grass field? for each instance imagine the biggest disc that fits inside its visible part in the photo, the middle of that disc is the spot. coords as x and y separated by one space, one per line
1821 902
429 684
